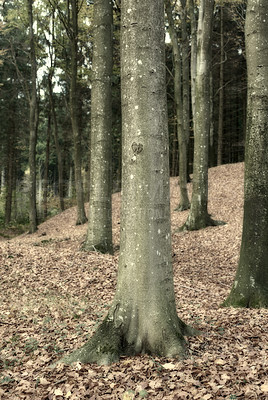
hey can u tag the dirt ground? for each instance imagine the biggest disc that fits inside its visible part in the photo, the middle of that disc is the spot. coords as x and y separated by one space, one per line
53 296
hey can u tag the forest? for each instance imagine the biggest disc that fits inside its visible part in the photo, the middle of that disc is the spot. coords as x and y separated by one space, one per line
133 199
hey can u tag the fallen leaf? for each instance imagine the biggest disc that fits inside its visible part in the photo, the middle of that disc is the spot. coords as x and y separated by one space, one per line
220 361
44 381
58 392
169 366
264 387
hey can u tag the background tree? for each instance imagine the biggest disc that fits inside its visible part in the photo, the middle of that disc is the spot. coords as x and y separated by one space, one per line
250 288
221 90
33 122
192 12
198 216
182 133
142 317
51 72
14 108
73 36
229 88
99 233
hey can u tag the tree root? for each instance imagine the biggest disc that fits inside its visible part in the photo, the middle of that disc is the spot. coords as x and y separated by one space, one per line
199 223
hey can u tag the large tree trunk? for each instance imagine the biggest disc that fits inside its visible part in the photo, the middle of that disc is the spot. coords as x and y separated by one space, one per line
181 132
198 216
81 215
250 288
99 233
33 123
142 318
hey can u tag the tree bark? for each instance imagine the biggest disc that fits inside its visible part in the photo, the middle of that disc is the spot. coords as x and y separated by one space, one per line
198 217
221 92
53 114
99 233
181 132
185 81
45 193
250 288
142 318
81 215
56 138
192 11
33 124
10 164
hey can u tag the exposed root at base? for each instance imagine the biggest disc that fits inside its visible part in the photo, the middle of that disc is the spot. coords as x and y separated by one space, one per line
197 224
109 343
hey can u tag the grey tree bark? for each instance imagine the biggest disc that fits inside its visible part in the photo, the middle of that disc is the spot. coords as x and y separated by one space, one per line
54 116
250 288
142 317
10 167
33 124
185 77
182 133
192 12
56 138
45 193
81 215
99 233
198 217
221 92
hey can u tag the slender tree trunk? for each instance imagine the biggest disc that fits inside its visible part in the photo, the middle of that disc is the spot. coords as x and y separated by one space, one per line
45 193
192 11
81 215
33 124
198 216
142 318
221 92
99 233
10 175
10 163
250 288
211 118
185 78
182 134
2 180
57 143
40 192
70 183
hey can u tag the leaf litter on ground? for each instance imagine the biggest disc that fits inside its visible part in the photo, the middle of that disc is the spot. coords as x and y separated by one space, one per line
53 297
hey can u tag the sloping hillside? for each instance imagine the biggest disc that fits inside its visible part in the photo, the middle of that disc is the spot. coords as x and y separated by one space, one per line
53 296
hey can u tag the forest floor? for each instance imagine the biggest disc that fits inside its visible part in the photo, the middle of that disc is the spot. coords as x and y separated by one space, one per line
53 296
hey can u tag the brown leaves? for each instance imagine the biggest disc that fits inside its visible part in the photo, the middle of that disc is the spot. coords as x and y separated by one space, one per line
52 298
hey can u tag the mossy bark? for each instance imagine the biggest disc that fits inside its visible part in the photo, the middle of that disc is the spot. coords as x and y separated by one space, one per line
128 331
99 232
142 317
250 288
